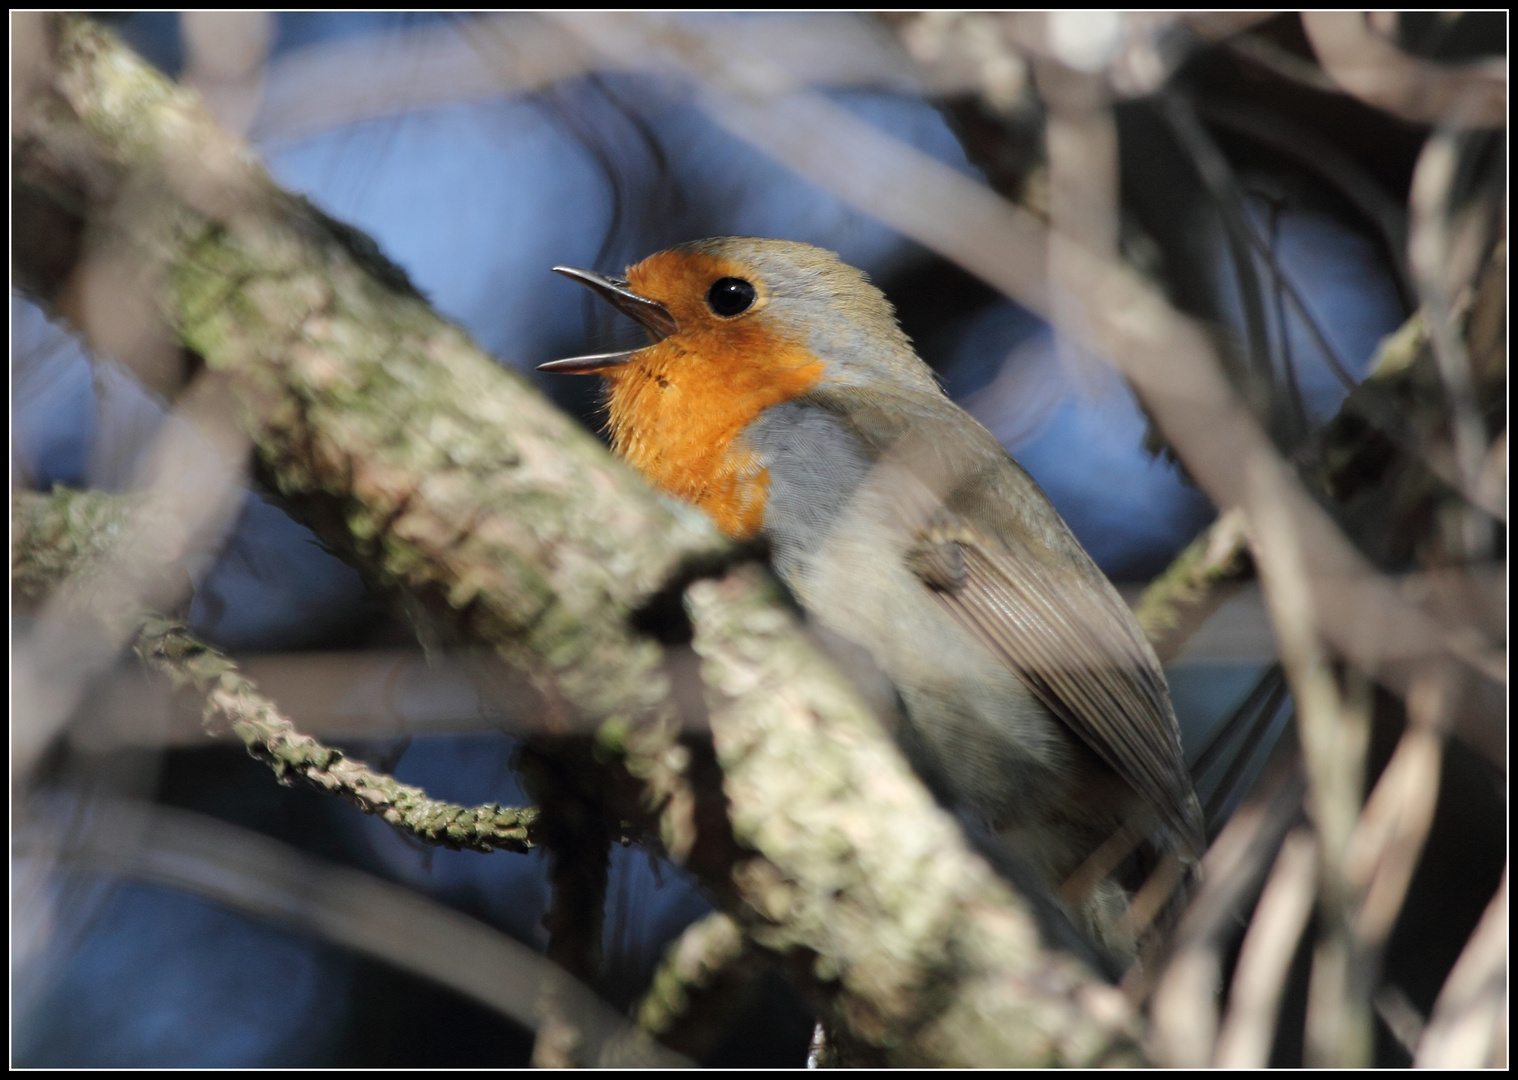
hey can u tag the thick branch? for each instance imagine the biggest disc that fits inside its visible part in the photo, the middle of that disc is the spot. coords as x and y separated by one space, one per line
446 480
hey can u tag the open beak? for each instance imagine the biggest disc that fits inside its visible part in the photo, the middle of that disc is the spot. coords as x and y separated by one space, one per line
654 317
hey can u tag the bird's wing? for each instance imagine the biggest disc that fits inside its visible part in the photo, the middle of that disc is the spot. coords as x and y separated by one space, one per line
990 547
1074 644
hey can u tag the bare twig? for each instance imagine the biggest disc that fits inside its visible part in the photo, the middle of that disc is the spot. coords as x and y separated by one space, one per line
1363 63
1081 140
1184 1007
754 97
1468 1029
336 83
225 53
1254 1000
1232 744
1260 50
1432 257
1388 839
1334 734
1327 160
1400 1016
1217 174
192 486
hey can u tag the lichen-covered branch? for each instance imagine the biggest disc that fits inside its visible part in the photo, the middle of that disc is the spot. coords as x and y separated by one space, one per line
71 532
698 986
448 482
1192 587
234 703
66 532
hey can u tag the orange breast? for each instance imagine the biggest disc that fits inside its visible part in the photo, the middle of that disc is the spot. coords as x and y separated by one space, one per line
677 412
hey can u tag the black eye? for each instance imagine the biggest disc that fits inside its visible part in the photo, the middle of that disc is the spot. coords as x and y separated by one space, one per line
730 296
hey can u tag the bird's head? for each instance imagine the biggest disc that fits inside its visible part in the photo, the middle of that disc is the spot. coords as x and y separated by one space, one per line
738 324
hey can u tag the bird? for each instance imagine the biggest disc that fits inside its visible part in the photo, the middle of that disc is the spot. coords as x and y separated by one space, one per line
779 394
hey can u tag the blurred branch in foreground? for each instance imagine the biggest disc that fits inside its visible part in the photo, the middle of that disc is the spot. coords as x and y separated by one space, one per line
424 463
1380 537
1409 485
357 910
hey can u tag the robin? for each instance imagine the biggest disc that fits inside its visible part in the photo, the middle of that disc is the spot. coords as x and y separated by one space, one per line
780 396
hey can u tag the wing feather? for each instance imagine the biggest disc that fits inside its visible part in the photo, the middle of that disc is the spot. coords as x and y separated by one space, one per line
1085 659
1021 583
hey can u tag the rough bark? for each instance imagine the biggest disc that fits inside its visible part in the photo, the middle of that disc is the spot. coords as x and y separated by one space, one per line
451 484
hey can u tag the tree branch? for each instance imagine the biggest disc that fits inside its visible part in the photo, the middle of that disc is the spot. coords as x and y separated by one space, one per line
72 533
447 481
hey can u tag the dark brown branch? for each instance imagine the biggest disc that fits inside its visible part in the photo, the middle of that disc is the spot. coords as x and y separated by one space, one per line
577 830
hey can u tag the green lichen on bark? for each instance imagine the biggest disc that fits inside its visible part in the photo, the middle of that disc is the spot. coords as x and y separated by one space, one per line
440 476
55 535
68 535
412 452
913 934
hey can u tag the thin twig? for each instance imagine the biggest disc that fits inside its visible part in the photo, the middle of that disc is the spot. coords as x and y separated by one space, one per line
1366 65
192 486
1254 1000
1334 734
1388 839
1288 65
1327 160
72 536
1430 254
1468 1028
233 702
1184 1005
